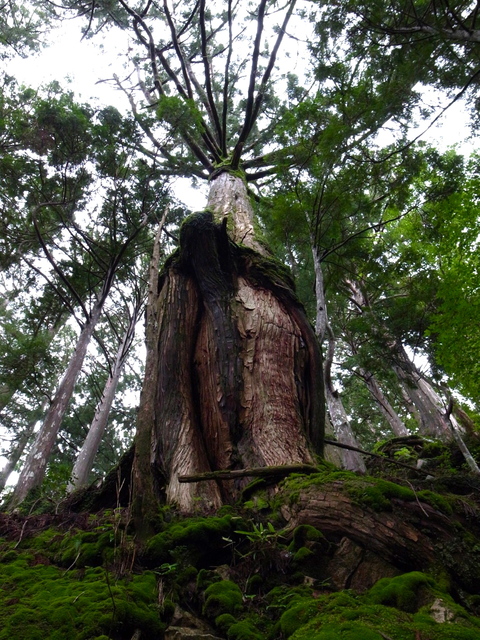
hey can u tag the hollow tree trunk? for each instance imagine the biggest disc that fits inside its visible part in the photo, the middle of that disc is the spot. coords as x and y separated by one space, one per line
233 374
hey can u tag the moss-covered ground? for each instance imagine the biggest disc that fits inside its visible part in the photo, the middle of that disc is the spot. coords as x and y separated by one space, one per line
243 571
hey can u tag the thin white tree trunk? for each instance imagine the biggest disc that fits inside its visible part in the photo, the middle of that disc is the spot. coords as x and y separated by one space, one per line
351 460
433 421
388 412
84 462
331 453
20 447
431 407
34 468
321 315
470 460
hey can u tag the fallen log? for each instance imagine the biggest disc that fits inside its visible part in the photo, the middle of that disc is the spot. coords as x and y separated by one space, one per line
257 472
285 470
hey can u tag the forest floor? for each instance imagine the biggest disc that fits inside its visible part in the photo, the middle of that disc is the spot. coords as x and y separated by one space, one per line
328 556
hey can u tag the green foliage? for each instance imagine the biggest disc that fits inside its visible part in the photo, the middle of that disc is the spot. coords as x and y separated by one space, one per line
24 27
180 114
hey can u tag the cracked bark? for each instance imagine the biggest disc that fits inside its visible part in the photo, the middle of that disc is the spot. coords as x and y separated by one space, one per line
233 374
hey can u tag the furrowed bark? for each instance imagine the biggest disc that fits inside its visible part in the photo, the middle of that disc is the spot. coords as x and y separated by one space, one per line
231 363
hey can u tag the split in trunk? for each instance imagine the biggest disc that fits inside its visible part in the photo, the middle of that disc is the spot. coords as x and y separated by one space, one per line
233 374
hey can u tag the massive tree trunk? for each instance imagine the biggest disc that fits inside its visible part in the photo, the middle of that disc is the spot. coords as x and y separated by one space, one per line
233 373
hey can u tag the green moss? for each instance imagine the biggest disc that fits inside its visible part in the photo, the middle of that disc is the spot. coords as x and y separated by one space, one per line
302 554
254 583
46 602
224 621
402 591
437 501
377 493
341 631
203 538
297 615
370 492
303 534
244 630
434 449
222 597
205 578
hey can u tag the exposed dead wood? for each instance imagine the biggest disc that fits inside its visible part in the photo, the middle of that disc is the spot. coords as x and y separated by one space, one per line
256 472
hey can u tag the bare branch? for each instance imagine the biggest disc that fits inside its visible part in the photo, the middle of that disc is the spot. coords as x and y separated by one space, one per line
212 109
52 261
237 152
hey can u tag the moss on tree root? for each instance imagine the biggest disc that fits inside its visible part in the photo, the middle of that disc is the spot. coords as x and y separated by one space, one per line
81 576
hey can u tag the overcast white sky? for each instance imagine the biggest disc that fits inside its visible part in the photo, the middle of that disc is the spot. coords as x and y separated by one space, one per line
86 68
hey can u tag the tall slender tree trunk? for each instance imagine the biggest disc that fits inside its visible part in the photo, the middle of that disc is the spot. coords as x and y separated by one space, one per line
351 460
340 423
20 447
386 409
233 373
86 456
84 462
34 468
430 406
